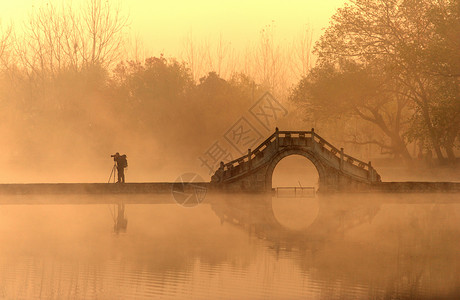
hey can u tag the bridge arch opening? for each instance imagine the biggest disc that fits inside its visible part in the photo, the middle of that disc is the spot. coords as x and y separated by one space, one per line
293 207
295 171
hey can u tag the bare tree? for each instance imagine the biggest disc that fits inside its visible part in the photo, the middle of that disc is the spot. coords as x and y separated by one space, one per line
223 51
302 58
103 37
60 38
5 44
194 56
272 62
135 49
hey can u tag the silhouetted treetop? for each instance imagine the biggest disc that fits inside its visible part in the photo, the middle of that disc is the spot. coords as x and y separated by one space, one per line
377 57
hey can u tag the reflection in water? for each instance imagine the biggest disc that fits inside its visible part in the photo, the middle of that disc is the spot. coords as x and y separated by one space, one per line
404 251
336 247
316 220
295 213
121 223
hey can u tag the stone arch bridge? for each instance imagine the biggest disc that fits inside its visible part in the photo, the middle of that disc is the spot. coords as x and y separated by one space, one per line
253 172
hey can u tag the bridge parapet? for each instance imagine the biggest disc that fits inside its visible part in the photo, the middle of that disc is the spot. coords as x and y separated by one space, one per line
297 142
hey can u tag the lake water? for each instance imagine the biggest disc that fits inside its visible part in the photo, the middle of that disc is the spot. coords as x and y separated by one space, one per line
358 246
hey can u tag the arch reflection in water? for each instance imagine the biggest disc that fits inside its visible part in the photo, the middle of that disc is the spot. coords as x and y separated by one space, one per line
379 246
296 222
295 213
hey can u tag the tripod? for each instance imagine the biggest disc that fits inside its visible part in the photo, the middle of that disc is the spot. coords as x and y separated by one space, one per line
114 171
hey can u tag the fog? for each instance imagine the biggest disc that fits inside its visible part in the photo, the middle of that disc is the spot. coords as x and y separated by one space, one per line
82 81
375 245
73 92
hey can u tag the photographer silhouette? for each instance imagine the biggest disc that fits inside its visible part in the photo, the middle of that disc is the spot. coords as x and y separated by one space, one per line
121 163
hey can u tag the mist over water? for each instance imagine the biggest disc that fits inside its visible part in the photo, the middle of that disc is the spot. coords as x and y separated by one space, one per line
74 89
77 85
335 247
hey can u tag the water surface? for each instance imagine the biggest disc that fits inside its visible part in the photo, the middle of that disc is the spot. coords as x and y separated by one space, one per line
240 247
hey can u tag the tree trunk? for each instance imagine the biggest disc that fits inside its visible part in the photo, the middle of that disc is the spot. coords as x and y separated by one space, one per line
450 153
437 148
432 133
401 148
450 146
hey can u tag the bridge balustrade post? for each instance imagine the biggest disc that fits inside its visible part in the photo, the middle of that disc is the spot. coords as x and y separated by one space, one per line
341 158
313 142
277 138
249 159
371 172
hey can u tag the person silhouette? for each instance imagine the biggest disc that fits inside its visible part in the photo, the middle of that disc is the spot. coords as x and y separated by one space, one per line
122 163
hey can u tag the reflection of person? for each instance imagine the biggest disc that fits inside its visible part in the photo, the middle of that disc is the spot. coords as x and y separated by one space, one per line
122 163
121 223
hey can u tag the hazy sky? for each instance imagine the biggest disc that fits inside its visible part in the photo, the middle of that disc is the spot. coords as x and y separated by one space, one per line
163 25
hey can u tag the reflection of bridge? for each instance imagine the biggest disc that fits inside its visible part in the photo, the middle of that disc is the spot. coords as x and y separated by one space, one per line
255 214
337 170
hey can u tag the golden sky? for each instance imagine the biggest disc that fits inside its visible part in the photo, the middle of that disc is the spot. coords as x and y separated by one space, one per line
163 25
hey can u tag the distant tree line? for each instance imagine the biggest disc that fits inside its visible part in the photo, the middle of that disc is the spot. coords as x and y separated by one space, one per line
69 90
387 73
390 65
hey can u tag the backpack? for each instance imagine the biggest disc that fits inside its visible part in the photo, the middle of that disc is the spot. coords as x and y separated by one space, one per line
124 161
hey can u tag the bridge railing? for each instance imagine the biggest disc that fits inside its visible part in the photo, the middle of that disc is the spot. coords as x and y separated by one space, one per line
357 162
251 154
324 145
338 153
295 192
264 145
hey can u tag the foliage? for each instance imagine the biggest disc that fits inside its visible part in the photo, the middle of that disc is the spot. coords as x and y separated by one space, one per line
383 61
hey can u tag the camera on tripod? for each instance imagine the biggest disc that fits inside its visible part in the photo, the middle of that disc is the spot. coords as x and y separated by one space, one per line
120 163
